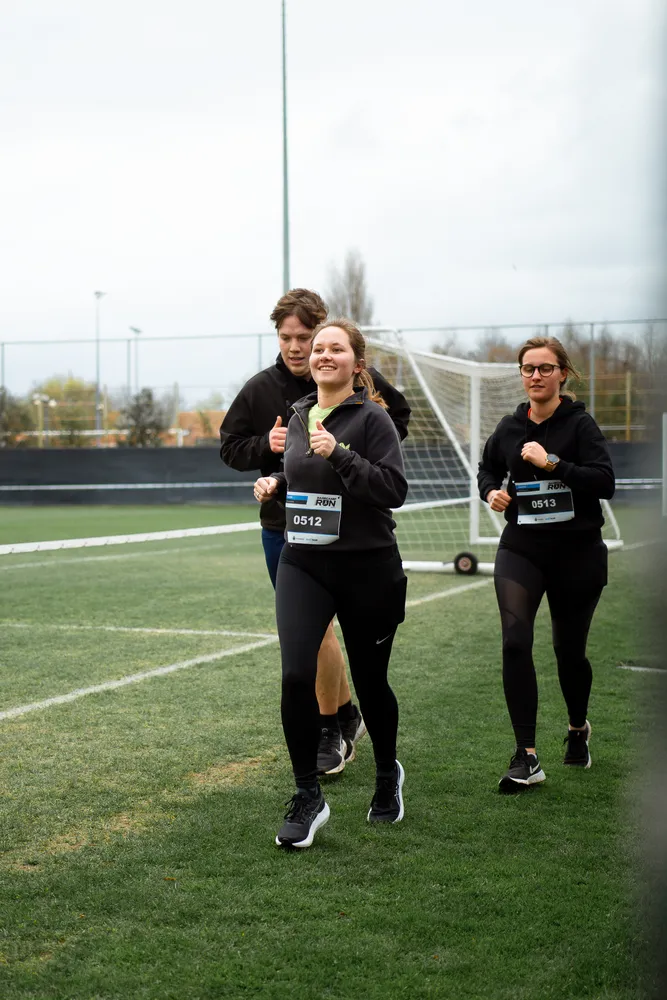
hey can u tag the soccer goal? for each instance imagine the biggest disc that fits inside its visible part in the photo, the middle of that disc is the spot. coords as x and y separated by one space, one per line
456 404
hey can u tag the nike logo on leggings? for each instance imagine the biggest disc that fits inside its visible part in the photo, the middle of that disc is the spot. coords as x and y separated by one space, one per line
380 641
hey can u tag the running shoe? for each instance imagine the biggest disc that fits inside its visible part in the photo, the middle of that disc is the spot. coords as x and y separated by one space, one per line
305 814
387 804
352 730
524 770
577 753
331 752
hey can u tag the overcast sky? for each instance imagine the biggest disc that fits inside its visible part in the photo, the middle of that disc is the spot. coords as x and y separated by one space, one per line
492 162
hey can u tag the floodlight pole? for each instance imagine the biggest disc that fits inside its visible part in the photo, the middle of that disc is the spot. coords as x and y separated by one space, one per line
98 422
286 276
136 331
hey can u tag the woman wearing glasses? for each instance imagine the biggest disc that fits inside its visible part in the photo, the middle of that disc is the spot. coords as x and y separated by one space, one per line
546 467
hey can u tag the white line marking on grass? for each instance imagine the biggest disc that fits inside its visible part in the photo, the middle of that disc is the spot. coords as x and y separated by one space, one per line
132 539
640 545
121 555
148 631
61 699
643 670
448 593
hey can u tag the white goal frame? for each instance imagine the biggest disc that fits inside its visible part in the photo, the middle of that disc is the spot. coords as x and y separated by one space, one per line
389 339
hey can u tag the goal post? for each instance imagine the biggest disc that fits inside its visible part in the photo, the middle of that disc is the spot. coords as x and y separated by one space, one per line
456 404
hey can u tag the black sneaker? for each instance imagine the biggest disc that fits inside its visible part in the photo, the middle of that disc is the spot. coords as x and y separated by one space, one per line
577 753
304 816
387 804
331 752
524 770
352 731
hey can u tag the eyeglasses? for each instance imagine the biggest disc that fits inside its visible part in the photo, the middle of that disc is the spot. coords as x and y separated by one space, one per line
545 369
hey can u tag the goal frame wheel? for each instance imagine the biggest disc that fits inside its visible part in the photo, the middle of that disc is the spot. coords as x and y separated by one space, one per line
465 564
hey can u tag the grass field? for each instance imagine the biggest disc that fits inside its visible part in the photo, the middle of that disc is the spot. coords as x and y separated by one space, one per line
137 820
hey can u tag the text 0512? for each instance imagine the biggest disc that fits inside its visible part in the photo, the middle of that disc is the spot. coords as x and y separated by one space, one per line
311 520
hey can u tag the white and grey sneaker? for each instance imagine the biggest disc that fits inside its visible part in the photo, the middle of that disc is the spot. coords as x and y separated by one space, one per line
352 731
331 752
577 753
305 815
524 770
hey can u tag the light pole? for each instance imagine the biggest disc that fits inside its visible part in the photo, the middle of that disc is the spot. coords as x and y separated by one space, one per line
286 281
98 422
136 331
39 399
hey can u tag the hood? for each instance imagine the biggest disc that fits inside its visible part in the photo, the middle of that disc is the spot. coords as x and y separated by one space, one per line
568 407
306 402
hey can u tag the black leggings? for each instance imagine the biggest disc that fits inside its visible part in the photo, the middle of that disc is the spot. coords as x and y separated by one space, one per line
572 578
367 592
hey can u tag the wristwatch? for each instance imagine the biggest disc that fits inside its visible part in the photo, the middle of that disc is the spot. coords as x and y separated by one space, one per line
552 462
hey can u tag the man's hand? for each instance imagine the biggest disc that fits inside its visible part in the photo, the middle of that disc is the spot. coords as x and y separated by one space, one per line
277 436
321 441
498 500
535 454
265 488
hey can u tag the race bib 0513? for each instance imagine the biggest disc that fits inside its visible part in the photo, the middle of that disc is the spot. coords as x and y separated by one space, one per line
313 518
543 501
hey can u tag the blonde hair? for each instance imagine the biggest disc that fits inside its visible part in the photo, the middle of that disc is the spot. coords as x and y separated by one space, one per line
555 346
358 345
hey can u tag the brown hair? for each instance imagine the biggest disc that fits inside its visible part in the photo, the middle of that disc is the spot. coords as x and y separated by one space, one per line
554 345
358 345
308 307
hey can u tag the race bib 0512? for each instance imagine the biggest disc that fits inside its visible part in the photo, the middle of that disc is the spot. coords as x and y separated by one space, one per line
313 518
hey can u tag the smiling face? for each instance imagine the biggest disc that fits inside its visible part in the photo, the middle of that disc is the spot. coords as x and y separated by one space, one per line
332 362
295 340
542 388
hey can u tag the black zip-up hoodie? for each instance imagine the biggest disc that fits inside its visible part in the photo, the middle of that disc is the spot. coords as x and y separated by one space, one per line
365 468
244 433
585 465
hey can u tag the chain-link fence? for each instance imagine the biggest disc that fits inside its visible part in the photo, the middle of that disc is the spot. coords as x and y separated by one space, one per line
51 384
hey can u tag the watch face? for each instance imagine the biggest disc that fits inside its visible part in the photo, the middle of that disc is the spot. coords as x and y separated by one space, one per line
553 459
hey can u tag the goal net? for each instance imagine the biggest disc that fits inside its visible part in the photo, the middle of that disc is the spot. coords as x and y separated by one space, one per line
456 405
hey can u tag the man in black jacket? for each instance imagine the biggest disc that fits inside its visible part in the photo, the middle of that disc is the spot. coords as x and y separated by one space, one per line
253 437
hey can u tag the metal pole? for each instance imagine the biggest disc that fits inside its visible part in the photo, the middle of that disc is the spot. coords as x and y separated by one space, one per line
591 404
286 277
128 359
98 296
136 331
2 366
475 444
664 465
628 405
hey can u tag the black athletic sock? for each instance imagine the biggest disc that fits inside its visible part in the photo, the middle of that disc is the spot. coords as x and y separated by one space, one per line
346 712
311 790
329 722
386 768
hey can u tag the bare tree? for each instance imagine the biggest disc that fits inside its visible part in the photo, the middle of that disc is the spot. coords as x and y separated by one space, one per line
347 294
145 419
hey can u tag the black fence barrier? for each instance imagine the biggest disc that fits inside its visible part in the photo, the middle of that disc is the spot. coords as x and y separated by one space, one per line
195 475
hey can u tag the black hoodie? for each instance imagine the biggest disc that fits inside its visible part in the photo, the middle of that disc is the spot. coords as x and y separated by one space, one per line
365 468
584 466
244 433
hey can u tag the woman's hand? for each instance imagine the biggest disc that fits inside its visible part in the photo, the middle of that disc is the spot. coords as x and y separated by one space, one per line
321 442
265 488
535 454
498 500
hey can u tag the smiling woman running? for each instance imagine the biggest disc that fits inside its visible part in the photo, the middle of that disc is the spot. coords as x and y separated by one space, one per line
559 468
343 473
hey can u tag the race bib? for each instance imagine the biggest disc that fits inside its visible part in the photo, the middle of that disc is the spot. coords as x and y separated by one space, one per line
543 501
313 518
